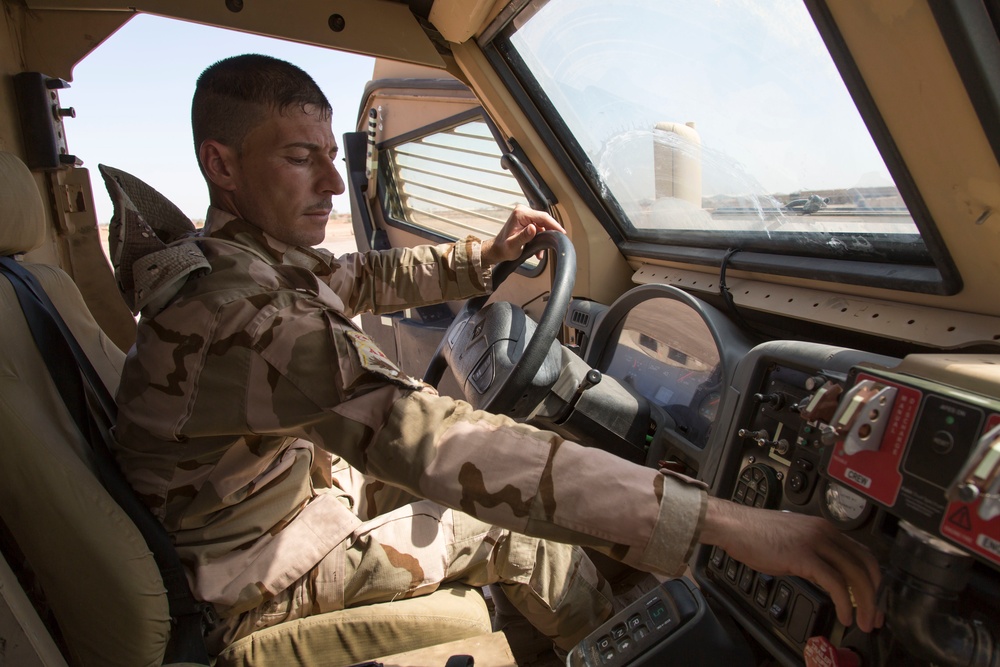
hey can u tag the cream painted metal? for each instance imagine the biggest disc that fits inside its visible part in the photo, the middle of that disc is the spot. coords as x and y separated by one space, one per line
24 641
935 327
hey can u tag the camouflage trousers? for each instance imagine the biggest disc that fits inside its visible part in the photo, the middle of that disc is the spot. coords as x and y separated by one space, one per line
409 548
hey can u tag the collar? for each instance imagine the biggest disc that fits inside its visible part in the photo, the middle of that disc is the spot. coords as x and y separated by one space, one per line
223 226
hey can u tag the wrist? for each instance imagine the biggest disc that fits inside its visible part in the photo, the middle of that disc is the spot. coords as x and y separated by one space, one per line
486 252
719 522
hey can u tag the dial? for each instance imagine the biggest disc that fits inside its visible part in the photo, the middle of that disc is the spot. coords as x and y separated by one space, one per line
844 507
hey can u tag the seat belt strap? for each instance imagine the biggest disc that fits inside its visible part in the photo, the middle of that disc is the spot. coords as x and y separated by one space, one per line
76 379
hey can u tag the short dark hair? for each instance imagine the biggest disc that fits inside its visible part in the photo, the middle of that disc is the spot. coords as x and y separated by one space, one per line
235 95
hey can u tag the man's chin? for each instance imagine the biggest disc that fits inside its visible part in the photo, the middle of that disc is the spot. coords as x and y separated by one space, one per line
313 231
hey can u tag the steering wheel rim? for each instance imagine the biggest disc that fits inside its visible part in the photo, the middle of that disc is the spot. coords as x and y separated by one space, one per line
531 359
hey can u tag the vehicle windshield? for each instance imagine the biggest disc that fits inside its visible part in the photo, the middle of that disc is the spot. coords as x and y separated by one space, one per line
711 124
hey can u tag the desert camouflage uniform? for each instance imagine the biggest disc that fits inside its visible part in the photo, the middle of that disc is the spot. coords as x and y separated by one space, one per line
245 397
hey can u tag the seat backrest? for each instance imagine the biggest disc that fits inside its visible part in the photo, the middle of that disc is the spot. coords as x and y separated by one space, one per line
92 564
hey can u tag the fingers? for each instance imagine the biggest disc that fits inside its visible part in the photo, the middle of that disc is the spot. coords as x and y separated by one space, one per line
782 543
524 216
508 244
521 227
524 235
548 223
863 577
850 575
829 579
522 238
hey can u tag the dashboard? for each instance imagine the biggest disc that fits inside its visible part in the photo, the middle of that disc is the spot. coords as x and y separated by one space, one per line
901 454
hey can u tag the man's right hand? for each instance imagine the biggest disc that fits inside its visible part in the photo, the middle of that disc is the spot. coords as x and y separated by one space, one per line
784 543
522 226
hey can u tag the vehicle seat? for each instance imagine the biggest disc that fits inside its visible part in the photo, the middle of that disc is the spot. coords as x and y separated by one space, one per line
97 575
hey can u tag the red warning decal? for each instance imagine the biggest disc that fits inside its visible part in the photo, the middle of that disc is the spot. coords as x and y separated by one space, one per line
876 473
963 525
961 518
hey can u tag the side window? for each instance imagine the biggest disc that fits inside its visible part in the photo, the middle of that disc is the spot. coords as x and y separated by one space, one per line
449 182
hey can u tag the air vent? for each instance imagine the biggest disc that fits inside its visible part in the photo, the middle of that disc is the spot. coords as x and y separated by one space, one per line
583 315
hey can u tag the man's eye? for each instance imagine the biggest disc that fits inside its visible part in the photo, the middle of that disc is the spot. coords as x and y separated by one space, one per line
298 160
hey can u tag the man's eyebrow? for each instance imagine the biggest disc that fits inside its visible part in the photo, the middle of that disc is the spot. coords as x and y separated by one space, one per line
302 144
308 145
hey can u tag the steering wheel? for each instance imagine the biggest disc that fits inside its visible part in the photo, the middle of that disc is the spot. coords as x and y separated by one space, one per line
496 350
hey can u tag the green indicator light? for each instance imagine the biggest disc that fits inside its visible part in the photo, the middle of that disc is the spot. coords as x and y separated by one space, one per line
949 420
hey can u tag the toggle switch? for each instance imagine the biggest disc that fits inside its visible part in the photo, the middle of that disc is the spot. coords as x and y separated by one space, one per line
979 478
822 404
863 415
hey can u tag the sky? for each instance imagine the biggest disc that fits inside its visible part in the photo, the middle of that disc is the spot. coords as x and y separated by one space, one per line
132 97
755 79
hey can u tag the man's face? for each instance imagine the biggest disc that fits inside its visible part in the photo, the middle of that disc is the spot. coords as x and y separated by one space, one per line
285 177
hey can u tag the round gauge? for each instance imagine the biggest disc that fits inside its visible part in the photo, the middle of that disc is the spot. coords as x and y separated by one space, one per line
844 507
709 405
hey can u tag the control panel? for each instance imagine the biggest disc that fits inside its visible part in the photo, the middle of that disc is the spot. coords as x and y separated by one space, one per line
890 453
780 468
643 625
669 625
927 452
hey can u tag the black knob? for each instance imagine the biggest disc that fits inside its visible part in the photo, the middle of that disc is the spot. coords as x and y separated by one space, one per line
797 482
774 399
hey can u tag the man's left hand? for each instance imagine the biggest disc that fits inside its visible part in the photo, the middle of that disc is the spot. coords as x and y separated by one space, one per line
520 228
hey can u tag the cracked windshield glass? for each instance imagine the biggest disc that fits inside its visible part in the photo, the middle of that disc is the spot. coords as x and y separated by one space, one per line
726 120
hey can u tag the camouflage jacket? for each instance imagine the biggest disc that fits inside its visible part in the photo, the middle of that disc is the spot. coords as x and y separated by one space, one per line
238 394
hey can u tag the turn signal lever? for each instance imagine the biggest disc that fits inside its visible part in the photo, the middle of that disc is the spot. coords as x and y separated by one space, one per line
593 377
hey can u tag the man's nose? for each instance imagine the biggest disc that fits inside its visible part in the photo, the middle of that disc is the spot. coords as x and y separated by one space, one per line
331 180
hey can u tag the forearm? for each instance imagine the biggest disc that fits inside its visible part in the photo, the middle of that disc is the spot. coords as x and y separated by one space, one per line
535 482
392 280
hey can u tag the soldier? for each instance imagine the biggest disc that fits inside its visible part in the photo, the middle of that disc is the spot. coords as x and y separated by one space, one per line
251 406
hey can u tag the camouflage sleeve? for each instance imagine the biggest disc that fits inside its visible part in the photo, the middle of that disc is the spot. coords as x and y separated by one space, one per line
390 280
537 483
338 391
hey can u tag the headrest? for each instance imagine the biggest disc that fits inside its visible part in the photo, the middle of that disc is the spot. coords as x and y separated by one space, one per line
22 225
150 242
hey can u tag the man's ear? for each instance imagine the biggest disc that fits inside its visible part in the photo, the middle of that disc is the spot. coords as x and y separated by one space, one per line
219 163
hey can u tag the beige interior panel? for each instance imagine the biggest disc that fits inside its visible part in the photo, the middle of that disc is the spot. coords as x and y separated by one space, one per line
911 323
403 110
900 52
458 20
370 27
55 41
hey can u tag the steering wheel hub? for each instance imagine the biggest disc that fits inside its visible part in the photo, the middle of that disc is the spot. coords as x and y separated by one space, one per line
496 351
